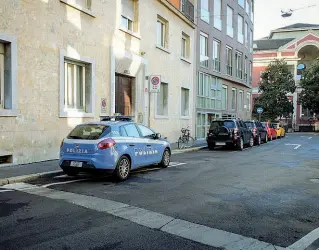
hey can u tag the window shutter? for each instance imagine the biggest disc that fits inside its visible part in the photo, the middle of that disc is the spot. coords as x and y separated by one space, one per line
128 9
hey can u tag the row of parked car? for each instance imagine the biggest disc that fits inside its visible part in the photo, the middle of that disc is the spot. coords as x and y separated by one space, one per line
236 133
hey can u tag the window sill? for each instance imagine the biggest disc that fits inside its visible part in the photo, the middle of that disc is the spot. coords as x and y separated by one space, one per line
75 114
204 67
78 7
165 117
185 118
163 49
186 60
8 112
130 33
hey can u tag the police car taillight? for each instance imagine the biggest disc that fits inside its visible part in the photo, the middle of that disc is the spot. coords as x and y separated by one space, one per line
106 143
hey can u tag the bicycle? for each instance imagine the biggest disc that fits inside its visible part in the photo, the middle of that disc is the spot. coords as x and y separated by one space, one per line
185 140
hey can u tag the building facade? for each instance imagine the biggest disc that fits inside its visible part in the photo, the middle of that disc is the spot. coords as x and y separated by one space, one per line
64 62
224 61
298 45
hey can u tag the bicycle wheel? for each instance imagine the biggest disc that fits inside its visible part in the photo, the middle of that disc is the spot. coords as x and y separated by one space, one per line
180 143
190 141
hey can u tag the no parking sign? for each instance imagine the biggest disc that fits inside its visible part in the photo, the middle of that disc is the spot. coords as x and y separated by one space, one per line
155 85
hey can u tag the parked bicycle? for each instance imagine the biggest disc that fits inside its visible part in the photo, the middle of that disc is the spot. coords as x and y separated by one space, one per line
185 140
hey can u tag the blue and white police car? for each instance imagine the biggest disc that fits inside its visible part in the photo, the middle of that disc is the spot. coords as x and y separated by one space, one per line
116 146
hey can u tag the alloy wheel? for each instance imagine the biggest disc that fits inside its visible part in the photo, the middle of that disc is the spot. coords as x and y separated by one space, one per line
124 168
251 142
166 158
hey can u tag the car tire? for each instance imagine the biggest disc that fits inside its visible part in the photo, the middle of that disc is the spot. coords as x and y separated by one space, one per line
211 146
266 138
123 168
166 159
240 145
71 172
258 142
251 141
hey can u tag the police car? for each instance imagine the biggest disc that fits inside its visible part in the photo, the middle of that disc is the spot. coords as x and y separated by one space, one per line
115 145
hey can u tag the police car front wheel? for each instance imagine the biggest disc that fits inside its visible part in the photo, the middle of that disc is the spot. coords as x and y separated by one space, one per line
123 168
165 159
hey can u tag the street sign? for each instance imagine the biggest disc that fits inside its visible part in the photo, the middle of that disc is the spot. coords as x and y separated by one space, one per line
260 110
155 84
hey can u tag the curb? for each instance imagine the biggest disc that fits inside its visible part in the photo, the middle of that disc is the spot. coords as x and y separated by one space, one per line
29 177
180 151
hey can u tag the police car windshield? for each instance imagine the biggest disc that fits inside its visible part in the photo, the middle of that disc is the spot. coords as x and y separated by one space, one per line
227 124
88 132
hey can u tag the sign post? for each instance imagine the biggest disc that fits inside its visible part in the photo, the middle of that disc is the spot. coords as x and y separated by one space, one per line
259 111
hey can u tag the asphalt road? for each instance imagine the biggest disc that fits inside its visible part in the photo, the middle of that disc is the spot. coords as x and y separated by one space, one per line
267 193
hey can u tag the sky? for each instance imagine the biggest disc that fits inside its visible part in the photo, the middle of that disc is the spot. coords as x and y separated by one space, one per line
268 14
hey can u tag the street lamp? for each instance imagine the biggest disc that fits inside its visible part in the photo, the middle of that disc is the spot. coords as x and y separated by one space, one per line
290 11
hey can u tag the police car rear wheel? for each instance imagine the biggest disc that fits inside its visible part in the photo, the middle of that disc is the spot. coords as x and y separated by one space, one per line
123 168
165 159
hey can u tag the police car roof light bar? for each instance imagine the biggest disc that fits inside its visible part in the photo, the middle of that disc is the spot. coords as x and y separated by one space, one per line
117 118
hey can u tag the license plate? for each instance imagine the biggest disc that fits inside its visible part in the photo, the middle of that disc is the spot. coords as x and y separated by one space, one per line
76 164
220 143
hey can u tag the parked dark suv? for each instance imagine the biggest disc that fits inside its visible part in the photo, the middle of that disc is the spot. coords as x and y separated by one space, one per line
229 132
258 130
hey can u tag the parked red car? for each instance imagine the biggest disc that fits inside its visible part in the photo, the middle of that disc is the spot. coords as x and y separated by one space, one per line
271 131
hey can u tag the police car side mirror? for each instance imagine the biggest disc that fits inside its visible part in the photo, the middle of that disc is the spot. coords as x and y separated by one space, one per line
157 136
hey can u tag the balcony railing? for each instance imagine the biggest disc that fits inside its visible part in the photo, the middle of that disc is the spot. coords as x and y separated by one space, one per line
216 65
239 74
229 70
187 9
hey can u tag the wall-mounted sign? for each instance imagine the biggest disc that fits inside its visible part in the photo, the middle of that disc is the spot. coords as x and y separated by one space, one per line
103 105
155 84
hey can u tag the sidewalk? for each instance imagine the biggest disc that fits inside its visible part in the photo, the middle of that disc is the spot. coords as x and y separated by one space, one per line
20 173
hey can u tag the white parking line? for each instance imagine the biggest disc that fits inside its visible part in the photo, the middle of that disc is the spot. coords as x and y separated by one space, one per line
174 164
309 138
185 229
62 182
297 145
6 190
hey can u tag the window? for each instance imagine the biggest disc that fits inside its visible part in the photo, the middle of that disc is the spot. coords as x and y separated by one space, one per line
126 23
74 86
1 75
216 55
247 7
241 100
230 27
229 61
218 14
8 75
128 15
185 102
82 5
131 130
233 98
162 100
245 69
224 97
239 65
89 132
162 32
209 92
246 35
240 36
252 11
251 45
146 132
123 131
204 50
250 68
76 99
248 101
185 46
204 10
241 3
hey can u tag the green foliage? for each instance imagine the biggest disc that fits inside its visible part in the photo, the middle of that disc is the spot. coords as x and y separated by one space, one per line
276 82
309 96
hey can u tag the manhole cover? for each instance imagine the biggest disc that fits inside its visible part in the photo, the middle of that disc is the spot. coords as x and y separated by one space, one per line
315 180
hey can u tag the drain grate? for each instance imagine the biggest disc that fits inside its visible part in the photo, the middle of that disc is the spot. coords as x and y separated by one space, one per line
315 180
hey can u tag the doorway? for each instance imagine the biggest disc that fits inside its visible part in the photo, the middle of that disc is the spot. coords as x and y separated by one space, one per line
123 94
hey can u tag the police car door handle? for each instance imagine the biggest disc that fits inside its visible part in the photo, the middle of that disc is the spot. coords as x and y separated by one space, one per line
132 145
148 145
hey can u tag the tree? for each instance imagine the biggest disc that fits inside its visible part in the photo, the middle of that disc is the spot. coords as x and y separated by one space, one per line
309 96
276 82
